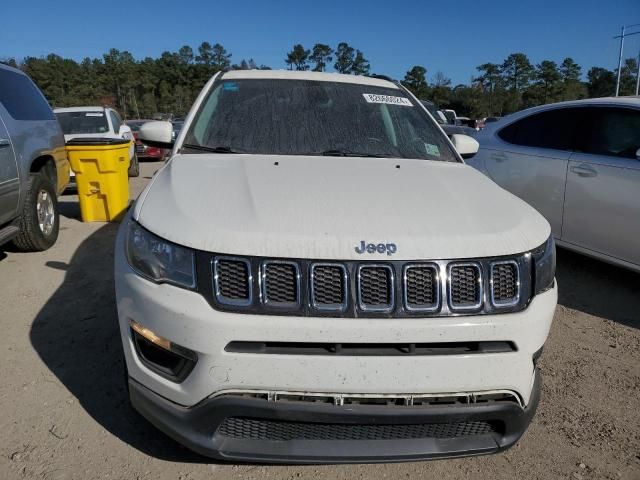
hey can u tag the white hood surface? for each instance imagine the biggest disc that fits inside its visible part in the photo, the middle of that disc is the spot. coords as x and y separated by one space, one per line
323 207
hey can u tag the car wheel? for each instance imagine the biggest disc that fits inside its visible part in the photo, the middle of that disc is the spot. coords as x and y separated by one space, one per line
134 168
40 219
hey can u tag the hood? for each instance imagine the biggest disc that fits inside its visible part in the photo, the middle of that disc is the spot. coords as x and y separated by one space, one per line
324 207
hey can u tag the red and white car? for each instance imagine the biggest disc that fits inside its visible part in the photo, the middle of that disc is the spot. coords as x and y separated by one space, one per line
144 151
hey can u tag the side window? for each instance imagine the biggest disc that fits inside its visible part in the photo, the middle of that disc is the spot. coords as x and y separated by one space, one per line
612 131
115 120
550 129
21 97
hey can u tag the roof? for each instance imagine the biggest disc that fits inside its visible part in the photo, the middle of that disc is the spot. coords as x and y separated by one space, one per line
305 75
629 101
79 109
4 66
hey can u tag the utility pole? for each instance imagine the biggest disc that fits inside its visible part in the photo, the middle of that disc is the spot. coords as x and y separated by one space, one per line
638 75
620 61
622 37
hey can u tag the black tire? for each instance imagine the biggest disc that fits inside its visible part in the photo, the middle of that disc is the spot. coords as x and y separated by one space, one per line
134 168
32 238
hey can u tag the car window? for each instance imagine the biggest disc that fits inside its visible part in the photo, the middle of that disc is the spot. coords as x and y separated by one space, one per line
115 121
21 97
549 129
611 131
302 117
74 123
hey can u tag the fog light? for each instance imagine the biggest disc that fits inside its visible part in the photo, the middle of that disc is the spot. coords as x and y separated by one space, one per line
162 356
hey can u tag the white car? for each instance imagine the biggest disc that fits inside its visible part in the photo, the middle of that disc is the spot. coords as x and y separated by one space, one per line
97 122
316 276
578 164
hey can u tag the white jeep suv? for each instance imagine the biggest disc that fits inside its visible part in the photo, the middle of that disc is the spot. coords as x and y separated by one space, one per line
316 276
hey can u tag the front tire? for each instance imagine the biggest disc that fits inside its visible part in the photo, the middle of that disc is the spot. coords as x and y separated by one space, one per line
40 219
134 168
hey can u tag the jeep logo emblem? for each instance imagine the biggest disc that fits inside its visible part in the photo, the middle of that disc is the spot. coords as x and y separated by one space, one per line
388 248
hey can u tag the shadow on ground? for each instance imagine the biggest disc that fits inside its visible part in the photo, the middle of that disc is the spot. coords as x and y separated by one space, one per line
76 335
598 288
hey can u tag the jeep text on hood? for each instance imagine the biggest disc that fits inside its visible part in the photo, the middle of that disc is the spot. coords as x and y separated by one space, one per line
315 276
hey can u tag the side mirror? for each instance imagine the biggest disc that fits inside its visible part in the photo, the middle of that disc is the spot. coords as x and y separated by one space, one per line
638 154
466 146
156 134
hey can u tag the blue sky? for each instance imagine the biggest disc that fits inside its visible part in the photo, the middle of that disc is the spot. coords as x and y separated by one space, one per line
449 36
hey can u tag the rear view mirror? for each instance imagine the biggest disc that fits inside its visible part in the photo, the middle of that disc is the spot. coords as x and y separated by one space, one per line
466 146
156 134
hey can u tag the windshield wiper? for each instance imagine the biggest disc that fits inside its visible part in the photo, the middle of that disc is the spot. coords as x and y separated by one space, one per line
337 152
217 149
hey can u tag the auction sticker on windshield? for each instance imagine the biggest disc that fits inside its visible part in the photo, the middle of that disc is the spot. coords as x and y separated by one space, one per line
388 99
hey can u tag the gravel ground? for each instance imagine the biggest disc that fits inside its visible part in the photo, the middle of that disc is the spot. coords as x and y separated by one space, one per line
66 414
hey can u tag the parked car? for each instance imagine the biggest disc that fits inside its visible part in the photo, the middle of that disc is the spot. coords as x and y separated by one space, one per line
143 151
450 115
466 121
448 128
316 276
34 168
577 163
97 122
177 127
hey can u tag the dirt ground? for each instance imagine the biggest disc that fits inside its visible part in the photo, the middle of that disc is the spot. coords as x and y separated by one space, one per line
65 414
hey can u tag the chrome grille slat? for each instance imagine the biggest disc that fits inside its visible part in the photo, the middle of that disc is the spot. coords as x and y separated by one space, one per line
464 286
376 288
421 287
280 283
232 281
329 286
505 283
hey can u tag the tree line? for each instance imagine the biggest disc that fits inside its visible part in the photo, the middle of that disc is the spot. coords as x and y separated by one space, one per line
171 82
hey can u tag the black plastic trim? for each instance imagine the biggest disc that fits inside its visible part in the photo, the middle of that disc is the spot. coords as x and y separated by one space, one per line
197 428
370 349
186 360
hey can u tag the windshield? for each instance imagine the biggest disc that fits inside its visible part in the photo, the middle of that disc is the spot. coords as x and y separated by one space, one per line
83 122
302 117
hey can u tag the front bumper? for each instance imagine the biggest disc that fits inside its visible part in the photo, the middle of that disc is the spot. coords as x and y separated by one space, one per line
199 428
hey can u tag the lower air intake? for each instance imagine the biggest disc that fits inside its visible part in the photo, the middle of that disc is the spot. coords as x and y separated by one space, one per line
276 430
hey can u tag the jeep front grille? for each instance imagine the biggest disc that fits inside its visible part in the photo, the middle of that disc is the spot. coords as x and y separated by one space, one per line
302 287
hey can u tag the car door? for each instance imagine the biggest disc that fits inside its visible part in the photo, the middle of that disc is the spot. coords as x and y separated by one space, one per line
529 157
9 180
602 206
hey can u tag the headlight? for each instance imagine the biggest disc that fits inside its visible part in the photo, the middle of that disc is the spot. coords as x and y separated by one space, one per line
544 265
158 259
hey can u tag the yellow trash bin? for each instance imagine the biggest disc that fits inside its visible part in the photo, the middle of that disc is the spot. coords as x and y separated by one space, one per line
101 166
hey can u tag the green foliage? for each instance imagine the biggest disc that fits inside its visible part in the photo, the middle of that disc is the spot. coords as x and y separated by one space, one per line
344 58
170 83
321 55
602 82
298 58
416 81
360 65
